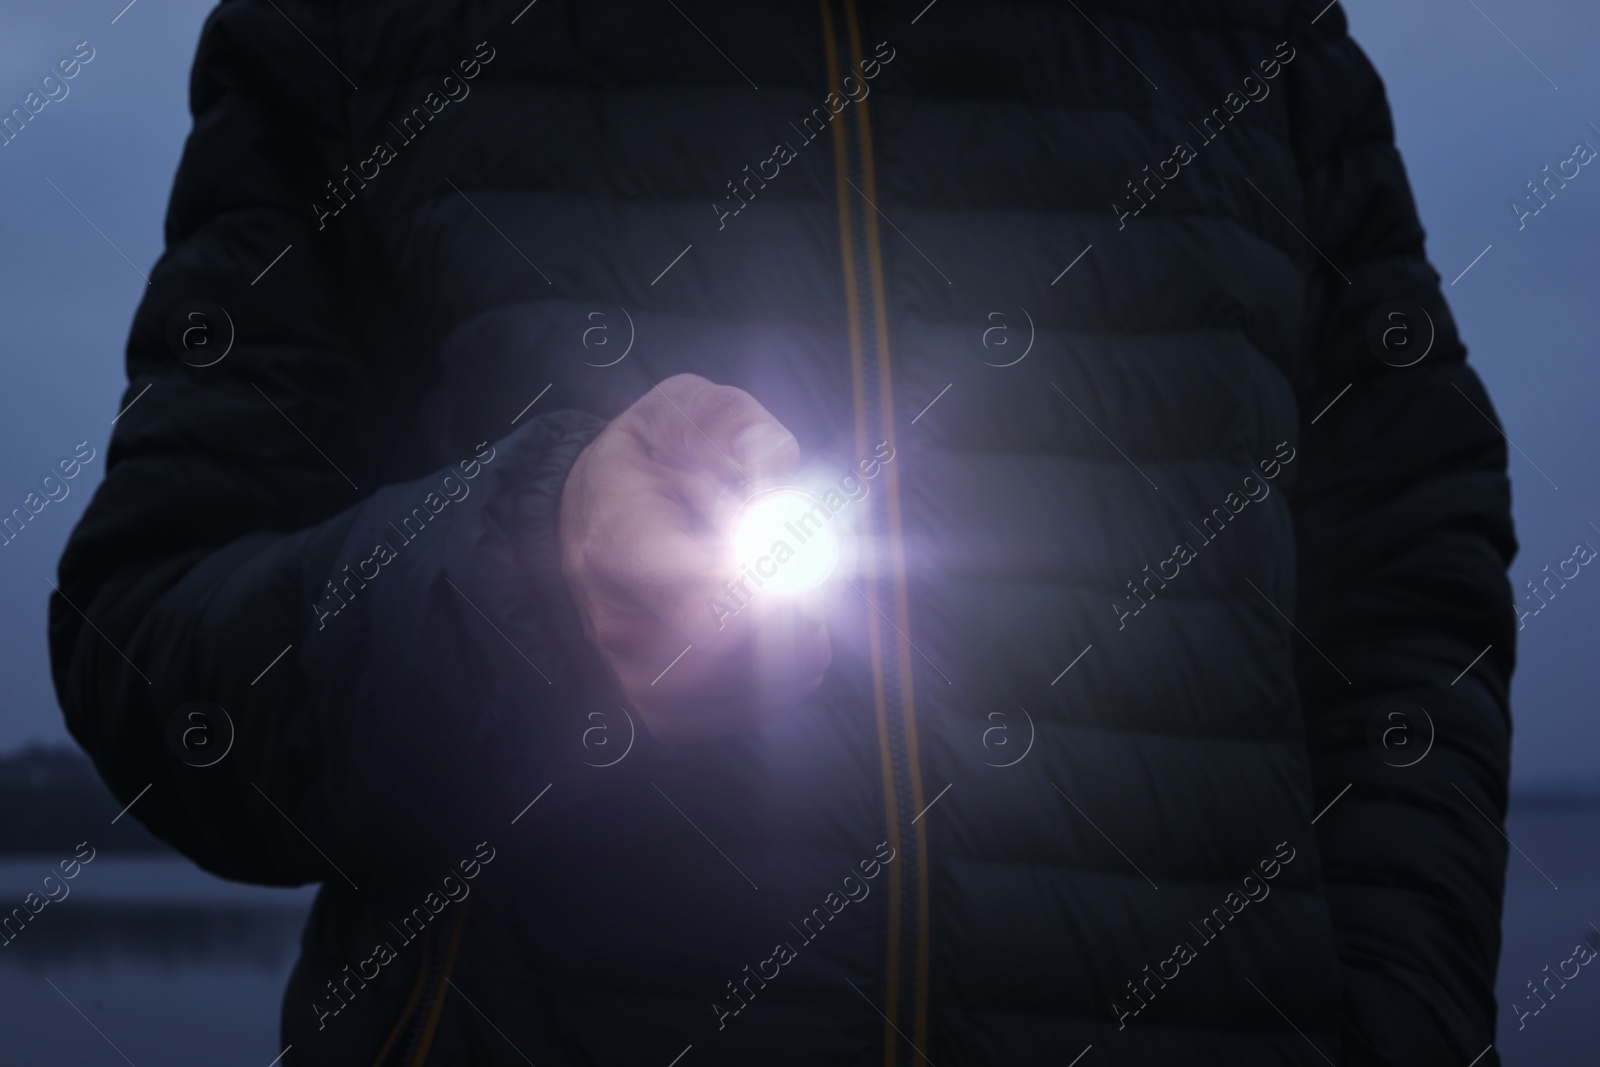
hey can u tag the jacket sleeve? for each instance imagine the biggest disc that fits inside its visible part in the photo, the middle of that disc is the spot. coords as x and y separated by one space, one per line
423 628
1404 534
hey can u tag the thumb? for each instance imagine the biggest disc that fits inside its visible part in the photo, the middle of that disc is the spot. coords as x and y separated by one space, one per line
699 426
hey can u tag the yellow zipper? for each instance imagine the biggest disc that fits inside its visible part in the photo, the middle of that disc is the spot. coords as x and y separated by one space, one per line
904 709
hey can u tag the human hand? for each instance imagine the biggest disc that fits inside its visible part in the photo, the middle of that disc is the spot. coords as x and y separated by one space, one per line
644 553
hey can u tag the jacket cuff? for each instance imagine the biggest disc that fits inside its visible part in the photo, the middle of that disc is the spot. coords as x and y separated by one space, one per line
531 512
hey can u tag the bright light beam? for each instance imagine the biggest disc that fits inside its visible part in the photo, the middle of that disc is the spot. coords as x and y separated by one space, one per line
786 537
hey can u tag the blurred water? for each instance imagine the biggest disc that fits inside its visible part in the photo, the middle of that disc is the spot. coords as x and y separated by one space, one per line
174 966
1544 920
168 964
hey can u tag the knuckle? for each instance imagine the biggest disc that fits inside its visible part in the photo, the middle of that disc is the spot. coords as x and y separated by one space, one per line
720 403
683 385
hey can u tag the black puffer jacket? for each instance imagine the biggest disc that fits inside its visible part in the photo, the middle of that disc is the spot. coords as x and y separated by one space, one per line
1160 556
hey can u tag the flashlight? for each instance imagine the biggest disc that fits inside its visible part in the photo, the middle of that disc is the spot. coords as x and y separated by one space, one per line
786 538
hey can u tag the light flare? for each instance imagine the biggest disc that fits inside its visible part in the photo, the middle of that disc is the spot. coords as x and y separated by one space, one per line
787 537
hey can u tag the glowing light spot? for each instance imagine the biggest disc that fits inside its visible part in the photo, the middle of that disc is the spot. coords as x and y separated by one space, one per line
786 538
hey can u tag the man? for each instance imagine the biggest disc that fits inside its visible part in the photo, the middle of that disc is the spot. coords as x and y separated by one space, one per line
1167 526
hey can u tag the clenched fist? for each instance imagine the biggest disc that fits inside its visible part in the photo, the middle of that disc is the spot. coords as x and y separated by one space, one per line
644 549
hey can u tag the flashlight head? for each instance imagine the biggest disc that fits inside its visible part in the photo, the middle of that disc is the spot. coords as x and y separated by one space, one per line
786 537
